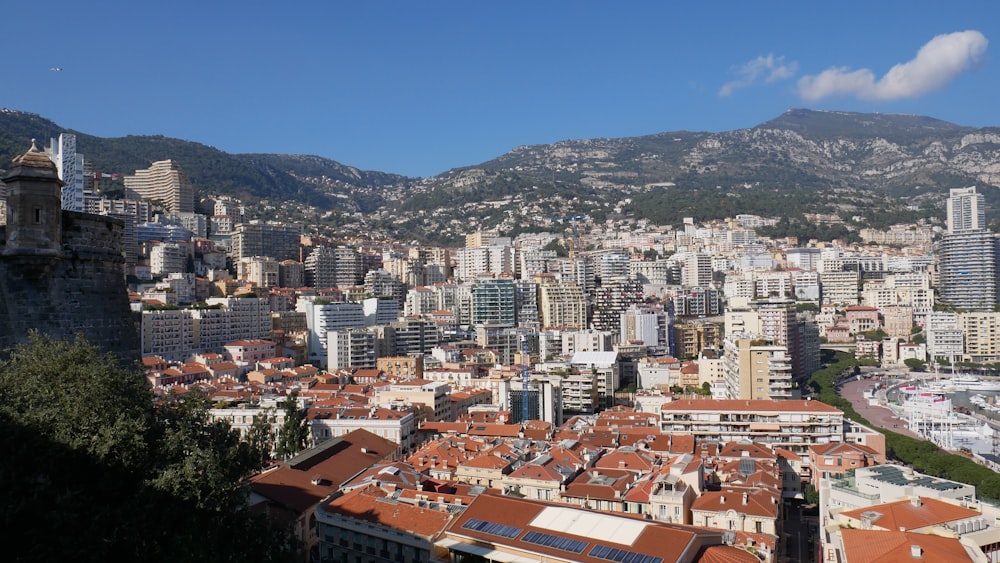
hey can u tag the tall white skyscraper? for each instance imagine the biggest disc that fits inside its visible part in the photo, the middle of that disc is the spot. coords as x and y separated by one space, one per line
62 152
966 210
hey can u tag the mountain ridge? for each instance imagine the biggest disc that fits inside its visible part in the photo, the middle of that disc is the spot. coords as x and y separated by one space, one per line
864 157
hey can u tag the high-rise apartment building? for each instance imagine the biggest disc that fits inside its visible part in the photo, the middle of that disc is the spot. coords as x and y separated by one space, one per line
775 321
406 337
562 306
981 331
968 255
526 303
945 339
840 287
164 182
966 210
381 283
323 317
613 267
696 270
690 338
320 267
755 369
493 302
168 257
473 262
132 212
351 348
645 323
968 270
70 165
277 240
291 273
611 299
262 271
175 334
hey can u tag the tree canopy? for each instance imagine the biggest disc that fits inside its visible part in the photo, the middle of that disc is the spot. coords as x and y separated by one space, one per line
294 432
94 469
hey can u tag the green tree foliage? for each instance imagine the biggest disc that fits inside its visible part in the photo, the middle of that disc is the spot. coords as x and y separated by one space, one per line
874 334
198 460
810 494
94 470
69 393
805 230
806 306
557 247
260 437
915 364
294 432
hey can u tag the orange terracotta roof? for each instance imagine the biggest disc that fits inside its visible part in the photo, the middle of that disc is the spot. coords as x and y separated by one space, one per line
840 448
736 405
603 484
879 546
759 502
306 479
501 430
487 461
912 514
726 554
363 504
752 450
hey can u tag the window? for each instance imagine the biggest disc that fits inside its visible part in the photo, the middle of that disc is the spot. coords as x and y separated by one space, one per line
38 215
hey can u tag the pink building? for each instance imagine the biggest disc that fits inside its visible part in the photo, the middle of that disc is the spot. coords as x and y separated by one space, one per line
861 318
249 352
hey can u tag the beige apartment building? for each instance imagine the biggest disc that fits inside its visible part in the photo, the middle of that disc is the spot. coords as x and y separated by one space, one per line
756 369
562 306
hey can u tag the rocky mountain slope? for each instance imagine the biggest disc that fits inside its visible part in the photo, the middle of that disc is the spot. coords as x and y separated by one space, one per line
803 161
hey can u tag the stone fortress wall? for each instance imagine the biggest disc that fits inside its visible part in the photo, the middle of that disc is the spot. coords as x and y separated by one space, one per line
78 290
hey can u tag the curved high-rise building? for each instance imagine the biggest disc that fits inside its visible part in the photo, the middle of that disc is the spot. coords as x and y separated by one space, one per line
166 183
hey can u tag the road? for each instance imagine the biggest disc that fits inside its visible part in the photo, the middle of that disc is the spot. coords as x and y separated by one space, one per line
879 416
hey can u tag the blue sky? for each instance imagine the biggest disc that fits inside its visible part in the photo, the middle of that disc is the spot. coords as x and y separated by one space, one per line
417 88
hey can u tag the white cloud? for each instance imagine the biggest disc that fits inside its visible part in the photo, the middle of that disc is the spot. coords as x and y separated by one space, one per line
937 63
767 69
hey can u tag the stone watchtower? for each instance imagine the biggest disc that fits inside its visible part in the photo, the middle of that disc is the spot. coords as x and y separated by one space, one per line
61 272
34 206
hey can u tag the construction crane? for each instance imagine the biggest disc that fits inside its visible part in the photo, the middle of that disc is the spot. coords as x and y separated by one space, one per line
576 234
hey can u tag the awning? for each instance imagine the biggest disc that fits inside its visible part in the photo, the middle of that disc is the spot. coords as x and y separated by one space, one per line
765 427
488 553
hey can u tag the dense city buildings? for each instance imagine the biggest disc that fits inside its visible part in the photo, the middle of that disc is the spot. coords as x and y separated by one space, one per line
638 394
